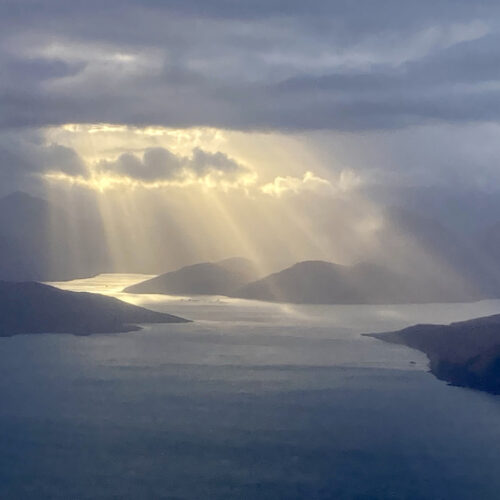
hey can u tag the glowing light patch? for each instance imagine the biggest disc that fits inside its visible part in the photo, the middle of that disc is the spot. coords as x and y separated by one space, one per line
281 185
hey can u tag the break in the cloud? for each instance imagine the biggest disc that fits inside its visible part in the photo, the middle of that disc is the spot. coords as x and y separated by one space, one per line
343 65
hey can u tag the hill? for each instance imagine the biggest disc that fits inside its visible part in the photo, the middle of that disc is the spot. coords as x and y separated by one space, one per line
31 307
206 278
465 353
319 282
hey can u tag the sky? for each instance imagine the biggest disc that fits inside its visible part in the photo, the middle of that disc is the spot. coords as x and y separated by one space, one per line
223 112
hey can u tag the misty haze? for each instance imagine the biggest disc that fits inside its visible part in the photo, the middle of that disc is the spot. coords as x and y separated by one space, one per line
249 250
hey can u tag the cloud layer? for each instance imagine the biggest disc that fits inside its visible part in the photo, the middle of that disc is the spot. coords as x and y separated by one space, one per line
397 92
343 65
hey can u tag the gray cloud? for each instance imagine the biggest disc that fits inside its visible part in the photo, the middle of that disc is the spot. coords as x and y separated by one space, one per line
27 153
415 84
202 162
24 155
160 164
156 164
60 159
343 65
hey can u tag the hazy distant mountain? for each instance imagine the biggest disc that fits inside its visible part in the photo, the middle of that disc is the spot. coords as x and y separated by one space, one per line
465 211
466 353
24 224
318 282
490 242
206 278
31 307
434 253
39 242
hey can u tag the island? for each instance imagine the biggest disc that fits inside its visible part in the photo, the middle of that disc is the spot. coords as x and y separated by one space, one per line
464 354
34 308
321 282
204 278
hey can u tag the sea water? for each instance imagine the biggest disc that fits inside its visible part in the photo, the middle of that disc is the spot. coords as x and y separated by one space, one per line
250 401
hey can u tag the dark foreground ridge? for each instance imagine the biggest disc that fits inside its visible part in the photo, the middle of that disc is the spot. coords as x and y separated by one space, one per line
32 307
465 354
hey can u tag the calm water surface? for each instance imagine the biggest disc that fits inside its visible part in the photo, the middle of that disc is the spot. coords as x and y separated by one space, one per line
250 401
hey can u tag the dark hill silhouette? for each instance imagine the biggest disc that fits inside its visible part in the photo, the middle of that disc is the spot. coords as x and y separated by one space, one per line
465 353
31 307
319 282
206 278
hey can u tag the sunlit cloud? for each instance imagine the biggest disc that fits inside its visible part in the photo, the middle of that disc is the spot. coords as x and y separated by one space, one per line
346 181
106 141
187 179
122 157
282 185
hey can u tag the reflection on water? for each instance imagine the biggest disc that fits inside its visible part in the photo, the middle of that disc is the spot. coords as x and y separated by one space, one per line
355 318
109 284
252 400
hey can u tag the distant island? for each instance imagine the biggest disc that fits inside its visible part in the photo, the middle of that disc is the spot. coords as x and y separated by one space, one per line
465 354
320 282
30 307
308 282
205 278
413 259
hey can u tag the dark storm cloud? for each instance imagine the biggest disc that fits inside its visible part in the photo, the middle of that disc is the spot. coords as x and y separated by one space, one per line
343 65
